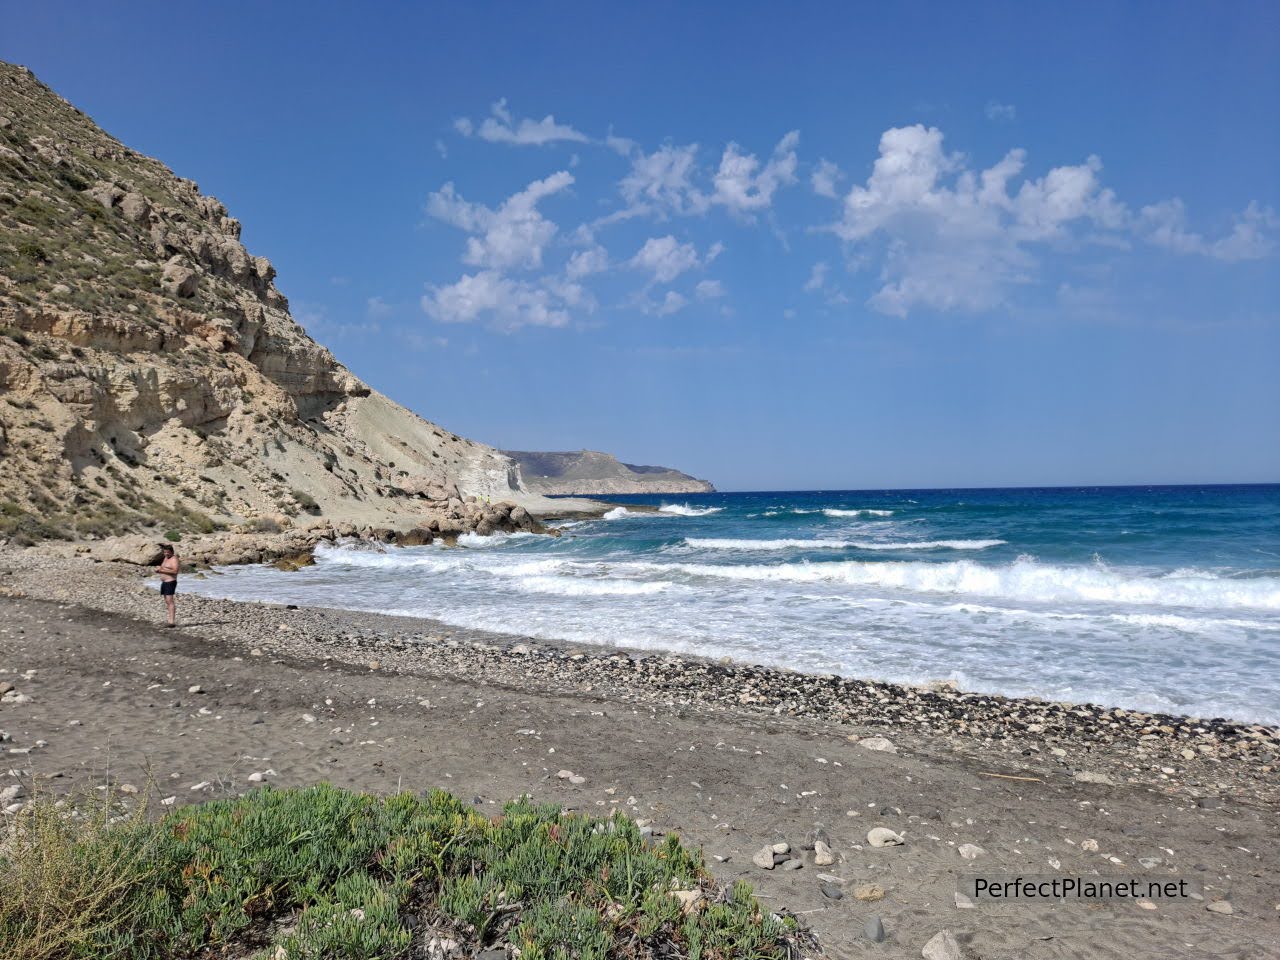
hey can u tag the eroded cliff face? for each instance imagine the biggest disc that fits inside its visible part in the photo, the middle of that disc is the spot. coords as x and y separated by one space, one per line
150 372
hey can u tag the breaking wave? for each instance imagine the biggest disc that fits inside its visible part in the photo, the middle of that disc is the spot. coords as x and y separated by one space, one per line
721 543
684 510
1024 579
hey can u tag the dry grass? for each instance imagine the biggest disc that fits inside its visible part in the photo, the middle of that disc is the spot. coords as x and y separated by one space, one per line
65 868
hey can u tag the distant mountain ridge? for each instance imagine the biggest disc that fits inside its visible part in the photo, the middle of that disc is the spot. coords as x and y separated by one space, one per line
592 473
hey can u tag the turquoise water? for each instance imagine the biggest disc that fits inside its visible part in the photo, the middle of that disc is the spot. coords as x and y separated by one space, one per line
1164 598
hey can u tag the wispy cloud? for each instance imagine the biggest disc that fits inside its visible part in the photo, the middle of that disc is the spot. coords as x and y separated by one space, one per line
506 302
513 235
501 127
1001 112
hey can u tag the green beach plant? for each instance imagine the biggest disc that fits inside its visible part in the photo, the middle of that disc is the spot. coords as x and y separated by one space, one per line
323 872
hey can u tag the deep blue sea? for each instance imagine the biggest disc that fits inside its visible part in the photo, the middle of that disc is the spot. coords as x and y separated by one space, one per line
1157 598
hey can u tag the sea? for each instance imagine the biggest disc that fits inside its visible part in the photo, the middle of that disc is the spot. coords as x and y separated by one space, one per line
1163 599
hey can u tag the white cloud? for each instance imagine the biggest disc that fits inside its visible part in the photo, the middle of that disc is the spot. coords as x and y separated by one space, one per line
958 239
501 127
1001 112
514 235
1164 224
709 290
817 276
619 145
376 308
743 186
671 303
586 262
666 258
663 181
824 178
488 295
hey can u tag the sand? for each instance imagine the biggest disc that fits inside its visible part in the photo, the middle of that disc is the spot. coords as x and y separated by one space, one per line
243 694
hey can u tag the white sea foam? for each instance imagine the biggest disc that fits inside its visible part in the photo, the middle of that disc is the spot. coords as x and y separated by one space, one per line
578 587
927 544
473 539
617 513
684 510
833 512
720 543
1024 579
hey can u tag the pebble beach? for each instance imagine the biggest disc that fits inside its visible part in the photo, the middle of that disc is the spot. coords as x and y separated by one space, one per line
734 757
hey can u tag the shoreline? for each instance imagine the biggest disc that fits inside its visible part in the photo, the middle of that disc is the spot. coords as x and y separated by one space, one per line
1051 738
731 757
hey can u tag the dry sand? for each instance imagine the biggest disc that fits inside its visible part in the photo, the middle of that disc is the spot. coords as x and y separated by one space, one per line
243 694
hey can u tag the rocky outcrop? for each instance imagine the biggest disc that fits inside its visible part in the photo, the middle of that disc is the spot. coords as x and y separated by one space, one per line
289 545
151 374
591 473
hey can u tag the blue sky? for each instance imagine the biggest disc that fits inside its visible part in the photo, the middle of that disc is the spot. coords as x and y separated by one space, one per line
778 246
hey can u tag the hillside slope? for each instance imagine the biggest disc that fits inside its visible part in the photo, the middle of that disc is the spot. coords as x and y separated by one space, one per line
151 373
591 473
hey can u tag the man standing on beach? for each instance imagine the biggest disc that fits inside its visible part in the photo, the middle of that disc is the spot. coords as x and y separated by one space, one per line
168 571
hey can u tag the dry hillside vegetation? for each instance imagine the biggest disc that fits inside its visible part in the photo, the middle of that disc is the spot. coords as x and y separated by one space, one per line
150 373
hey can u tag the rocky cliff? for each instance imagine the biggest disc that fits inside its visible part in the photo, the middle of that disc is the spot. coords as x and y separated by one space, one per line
151 375
591 473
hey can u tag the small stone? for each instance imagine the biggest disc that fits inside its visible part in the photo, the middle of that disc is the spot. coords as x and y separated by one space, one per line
942 946
831 891
1089 846
763 858
1087 776
1150 863
781 847
5 687
195 688
883 837
792 864
1146 905
878 744
308 718
1188 754
11 793
868 892
1057 751
873 930
126 788
1220 906
970 851
689 899
822 855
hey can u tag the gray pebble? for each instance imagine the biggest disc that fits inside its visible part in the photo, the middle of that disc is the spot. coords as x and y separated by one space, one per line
873 930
